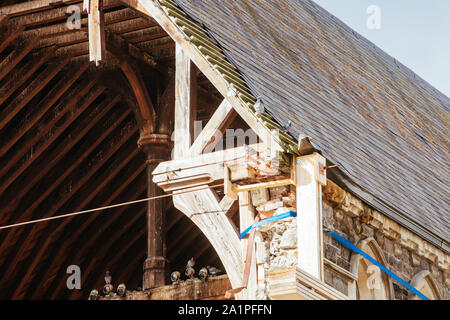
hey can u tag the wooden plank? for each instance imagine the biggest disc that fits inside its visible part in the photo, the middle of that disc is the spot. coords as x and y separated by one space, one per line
86 102
24 73
31 6
16 56
247 218
10 35
309 217
209 137
30 268
184 104
45 104
93 238
96 30
147 111
39 82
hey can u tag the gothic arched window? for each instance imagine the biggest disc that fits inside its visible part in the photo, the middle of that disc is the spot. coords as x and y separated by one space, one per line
424 282
372 283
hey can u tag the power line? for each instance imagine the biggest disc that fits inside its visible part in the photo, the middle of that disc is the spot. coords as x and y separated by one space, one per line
103 208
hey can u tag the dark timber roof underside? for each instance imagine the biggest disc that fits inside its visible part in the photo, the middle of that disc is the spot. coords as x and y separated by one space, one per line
68 142
385 126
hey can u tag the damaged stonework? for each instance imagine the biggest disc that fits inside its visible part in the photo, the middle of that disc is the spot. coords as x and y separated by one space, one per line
276 242
405 253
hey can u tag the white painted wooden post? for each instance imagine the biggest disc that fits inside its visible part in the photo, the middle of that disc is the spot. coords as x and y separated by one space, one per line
183 103
310 178
247 218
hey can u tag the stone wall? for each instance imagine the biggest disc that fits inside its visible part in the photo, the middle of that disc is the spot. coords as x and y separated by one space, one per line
405 253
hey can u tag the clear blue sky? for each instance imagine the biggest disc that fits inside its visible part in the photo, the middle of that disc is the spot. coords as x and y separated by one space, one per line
415 32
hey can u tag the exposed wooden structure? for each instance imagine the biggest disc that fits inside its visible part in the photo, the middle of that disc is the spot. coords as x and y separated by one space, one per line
70 131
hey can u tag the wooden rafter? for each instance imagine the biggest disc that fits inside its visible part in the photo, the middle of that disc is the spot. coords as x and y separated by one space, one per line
88 198
87 100
76 235
10 35
46 103
16 56
31 91
24 73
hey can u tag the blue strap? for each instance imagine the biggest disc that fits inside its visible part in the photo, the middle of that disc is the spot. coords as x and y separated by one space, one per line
354 248
268 220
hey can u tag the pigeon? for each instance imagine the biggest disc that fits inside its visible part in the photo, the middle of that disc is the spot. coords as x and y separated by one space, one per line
190 263
108 288
121 290
189 272
203 274
287 126
213 270
175 277
259 106
93 295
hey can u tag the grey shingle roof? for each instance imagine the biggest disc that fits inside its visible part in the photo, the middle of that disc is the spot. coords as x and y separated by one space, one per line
363 109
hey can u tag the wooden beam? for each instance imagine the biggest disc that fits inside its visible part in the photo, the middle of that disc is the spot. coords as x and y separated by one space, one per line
96 30
32 89
16 56
81 257
137 83
10 35
55 14
116 255
212 132
247 218
185 104
166 108
125 49
46 103
87 100
204 210
66 146
31 6
49 239
309 216
70 241
24 73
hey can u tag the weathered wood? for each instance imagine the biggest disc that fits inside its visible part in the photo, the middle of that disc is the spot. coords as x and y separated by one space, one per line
18 292
153 10
31 6
142 96
204 210
247 218
212 132
31 91
155 265
16 56
309 217
166 108
185 104
95 29
92 238
10 35
86 102
24 73
59 153
45 104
